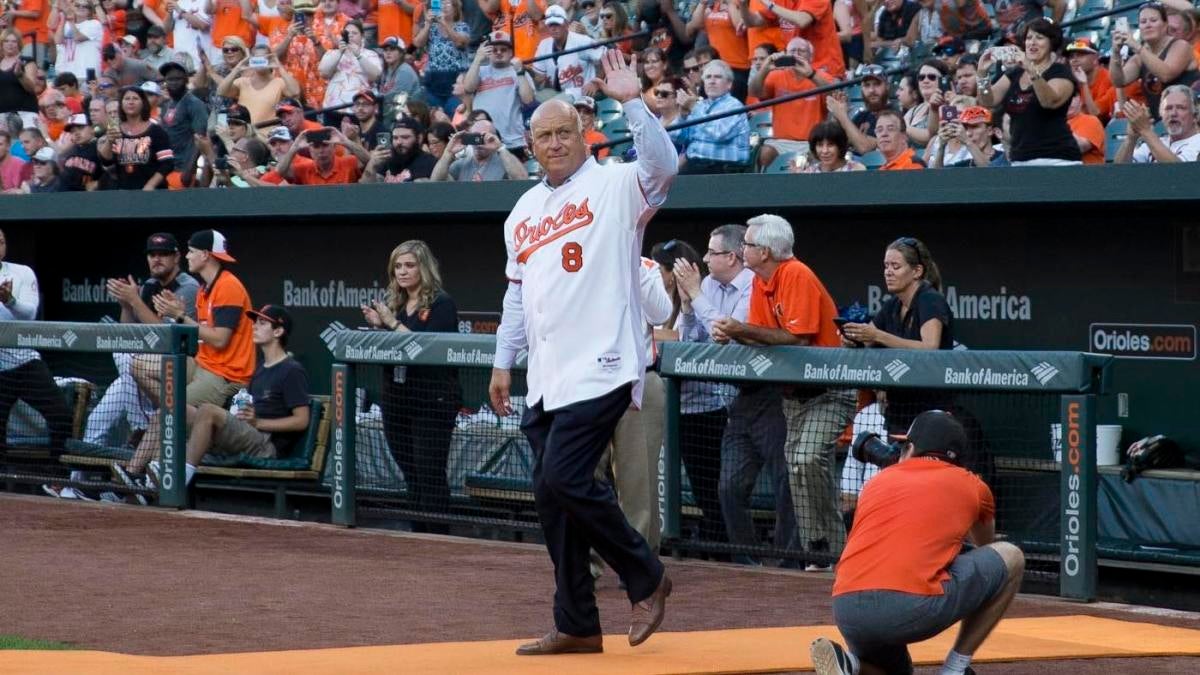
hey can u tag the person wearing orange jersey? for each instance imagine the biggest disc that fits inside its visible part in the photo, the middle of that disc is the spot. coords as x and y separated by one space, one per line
812 20
726 29
892 142
766 32
519 18
795 119
396 18
231 18
296 45
1088 132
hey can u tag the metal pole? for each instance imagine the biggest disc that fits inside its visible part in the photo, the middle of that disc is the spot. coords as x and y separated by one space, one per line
1078 566
342 488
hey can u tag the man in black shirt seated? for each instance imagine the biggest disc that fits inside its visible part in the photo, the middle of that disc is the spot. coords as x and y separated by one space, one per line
277 418
404 161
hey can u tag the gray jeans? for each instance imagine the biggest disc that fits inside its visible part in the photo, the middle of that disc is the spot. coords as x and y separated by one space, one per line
813 427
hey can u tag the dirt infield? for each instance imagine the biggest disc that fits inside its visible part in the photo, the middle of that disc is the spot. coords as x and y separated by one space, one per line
156 582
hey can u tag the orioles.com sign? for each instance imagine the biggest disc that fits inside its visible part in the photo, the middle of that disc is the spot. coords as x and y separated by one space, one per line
1143 340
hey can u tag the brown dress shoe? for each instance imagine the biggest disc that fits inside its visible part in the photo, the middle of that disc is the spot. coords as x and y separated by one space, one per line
555 642
648 614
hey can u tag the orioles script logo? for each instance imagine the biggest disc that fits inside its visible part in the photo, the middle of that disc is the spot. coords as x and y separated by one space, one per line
528 238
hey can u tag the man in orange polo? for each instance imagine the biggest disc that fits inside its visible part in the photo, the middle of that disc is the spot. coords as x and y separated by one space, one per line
904 576
892 142
1095 86
327 167
795 119
790 306
809 19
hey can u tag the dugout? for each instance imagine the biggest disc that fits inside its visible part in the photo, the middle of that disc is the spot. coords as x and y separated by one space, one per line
1103 259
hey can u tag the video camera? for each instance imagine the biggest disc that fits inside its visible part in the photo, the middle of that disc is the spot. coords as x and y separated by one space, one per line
869 448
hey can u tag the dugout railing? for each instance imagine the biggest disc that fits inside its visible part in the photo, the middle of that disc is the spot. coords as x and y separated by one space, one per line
81 358
1011 400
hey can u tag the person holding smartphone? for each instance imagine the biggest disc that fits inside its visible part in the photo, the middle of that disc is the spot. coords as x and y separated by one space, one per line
349 68
259 82
486 159
400 159
965 141
1157 61
78 40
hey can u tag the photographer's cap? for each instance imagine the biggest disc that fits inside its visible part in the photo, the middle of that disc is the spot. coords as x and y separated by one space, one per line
213 242
936 432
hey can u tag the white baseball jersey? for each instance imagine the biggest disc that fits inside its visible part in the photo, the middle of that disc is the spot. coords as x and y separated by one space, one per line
656 304
572 70
575 272
22 306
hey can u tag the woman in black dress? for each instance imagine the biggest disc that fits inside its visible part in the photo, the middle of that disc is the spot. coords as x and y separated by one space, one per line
420 404
916 316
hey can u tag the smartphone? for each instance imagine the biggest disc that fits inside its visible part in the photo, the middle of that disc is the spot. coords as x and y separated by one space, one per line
944 84
299 18
785 61
949 114
435 7
319 136
346 36
259 62
222 119
1122 24
91 74
472 139
383 139
839 322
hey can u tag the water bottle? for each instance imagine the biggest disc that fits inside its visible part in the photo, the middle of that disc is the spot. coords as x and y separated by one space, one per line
242 400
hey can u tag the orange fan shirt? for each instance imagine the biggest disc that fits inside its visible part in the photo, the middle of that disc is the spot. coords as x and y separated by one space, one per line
1103 92
909 526
729 42
228 20
526 33
594 138
395 22
38 25
768 33
795 119
906 161
795 300
345 170
1089 128
216 304
267 25
822 33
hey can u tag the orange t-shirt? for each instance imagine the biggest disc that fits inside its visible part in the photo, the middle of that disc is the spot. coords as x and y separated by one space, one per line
1089 128
328 35
38 25
345 170
268 24
114 29
729 42
395 22
822 33
909 526
906 161
764 34
55 128
228 20
224 303
795 119
593 138
795 300
159 8
1103 93
526 33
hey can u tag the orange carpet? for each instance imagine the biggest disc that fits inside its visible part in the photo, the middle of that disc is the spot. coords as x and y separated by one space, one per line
760 650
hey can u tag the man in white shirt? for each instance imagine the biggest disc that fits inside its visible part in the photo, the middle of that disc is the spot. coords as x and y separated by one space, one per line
23 374
573 243
1182 142
704 406
567 73
191 26
501 87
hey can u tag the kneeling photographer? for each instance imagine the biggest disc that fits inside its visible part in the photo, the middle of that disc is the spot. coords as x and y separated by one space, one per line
904 576
916 316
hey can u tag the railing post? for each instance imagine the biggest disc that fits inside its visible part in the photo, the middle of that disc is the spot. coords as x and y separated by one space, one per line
344 479
173 417
1079 476
670 481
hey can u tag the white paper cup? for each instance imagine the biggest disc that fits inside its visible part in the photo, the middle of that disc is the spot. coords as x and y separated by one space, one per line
1056 441
1108 444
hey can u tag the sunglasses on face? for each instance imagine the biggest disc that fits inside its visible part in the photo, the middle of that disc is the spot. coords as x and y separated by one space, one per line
606 16
664 94
231 50
928 77
691 69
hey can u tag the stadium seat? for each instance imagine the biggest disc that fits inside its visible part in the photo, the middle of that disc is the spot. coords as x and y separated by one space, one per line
1114 135
608 109
872 160
782 163
306 461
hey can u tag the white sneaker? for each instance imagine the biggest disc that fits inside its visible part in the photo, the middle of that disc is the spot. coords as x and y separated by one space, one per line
51 490
72 493
813 567
109 496
124 477
829 658
154 471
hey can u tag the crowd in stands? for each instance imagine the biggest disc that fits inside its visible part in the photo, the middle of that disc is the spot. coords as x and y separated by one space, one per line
174 94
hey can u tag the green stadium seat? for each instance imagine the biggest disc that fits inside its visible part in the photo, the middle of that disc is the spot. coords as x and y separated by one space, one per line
1114 135
782 163
306 461
872 160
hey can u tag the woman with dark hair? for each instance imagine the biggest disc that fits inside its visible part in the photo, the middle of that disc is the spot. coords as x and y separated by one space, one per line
349 68
916 316
18 78
1157 61
420 404
666 254
445 39
438 138
921 121
829 146
654 65
1036 94
139 148
614 22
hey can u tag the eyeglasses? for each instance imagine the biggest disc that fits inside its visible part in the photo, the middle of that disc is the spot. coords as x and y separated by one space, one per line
712 252
607 15
231 50
929 77
690 69
664 94
750 244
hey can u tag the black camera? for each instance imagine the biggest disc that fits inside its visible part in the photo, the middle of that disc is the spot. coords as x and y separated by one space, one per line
221 164
869 448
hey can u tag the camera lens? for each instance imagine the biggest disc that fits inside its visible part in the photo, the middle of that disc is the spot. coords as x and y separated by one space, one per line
871 449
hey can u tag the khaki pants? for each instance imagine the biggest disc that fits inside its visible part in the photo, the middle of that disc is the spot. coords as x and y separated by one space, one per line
207 387
238 438
813 427
634 454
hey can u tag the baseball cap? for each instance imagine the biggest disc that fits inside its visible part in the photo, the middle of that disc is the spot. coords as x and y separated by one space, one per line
975 114
279 134
366 93
213 242
394 42
237 113
172 65
411 123
274 314
162 241
585 101
151 87
873 71
288 105
499 37
130 40
1082 45
46 154
555 16
77 120
937 433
